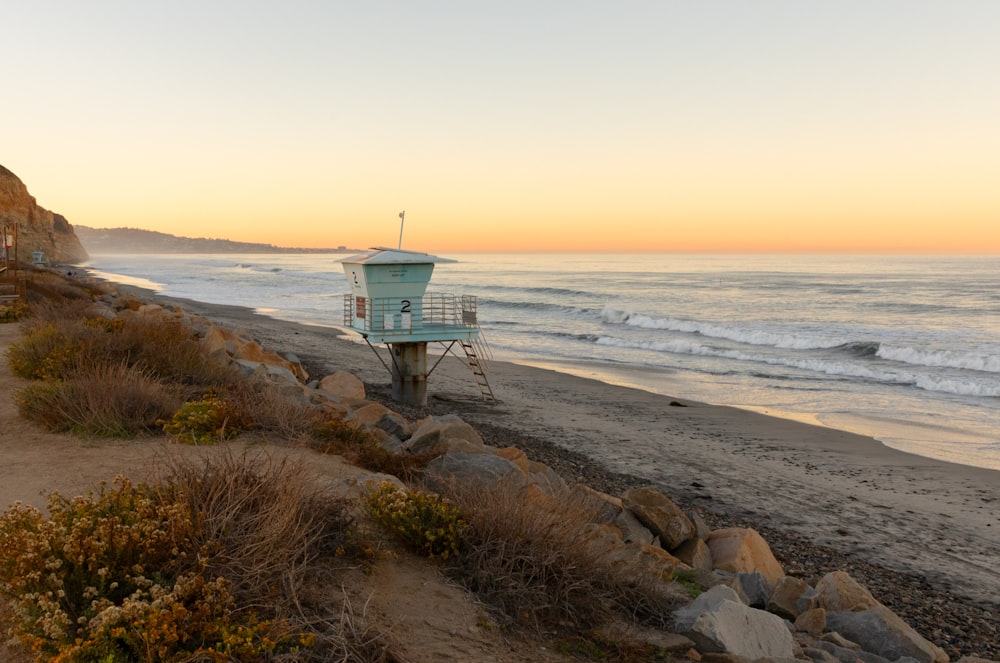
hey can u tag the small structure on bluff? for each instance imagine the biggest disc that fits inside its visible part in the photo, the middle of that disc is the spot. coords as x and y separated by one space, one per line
389 304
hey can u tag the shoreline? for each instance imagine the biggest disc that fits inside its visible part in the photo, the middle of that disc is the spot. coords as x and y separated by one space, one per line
848 493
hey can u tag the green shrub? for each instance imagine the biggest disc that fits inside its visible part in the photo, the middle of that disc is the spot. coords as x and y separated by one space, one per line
206 421
425 521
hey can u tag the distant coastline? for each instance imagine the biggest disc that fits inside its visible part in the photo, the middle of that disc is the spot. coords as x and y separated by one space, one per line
134 240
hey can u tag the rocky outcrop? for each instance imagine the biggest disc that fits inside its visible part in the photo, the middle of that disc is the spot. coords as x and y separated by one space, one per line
38 229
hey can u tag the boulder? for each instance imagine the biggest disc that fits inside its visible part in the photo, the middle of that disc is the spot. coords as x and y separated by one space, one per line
607 507
343 384
701 529
639 560
446 433
850 654
100 310
369 414
731 627
817 655
633 531
707 601
755 588
394 424
811 621
784 600
839 592
479 468
268 372
743 550
663 518
695 553
880 631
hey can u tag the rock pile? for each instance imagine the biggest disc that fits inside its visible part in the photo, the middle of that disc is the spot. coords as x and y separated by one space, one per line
746 607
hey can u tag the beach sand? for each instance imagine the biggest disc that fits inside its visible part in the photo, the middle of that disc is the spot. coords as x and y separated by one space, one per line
907 513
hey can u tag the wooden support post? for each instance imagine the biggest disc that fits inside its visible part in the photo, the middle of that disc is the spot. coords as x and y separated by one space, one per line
409 373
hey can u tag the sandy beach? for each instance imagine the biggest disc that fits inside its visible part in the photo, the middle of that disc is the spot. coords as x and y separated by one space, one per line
915 515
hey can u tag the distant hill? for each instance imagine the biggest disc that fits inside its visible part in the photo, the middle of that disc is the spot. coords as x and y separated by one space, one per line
134 240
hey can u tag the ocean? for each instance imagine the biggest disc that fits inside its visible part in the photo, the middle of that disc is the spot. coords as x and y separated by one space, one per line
905 349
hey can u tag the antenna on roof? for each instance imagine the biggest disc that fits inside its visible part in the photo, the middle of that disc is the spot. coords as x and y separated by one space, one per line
402 216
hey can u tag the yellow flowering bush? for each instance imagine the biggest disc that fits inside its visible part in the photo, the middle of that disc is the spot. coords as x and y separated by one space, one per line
205 421
13 312
425 521
116 577
45 353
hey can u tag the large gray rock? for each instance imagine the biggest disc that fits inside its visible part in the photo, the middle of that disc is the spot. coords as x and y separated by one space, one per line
848 655
446 433
707 601
880 631
737 629
755 588
480 468
663 518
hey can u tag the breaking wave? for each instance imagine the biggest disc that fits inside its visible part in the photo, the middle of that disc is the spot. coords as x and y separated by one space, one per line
774 339
833 368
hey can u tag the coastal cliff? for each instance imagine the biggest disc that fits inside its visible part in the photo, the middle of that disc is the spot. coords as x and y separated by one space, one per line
38 229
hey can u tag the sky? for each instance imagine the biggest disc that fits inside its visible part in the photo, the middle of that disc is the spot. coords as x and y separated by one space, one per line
561 125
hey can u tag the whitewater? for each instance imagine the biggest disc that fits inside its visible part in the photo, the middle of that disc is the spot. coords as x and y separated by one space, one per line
905 349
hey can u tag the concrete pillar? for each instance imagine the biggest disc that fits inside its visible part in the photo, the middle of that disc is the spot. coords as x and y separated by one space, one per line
409 373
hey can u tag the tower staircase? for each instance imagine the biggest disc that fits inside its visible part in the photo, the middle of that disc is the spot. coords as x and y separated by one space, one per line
477 354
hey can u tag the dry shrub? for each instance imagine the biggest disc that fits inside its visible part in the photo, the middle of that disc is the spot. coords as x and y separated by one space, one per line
50 286
362 448
265 522
524 554
48 349
272 410
169 348
272 530
106 401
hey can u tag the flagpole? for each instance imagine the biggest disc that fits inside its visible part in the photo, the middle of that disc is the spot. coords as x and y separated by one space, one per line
402 219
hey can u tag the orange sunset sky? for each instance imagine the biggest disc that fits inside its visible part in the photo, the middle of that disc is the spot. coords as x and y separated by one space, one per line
570 125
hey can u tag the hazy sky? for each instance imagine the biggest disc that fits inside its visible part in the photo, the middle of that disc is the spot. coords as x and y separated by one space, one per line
562 125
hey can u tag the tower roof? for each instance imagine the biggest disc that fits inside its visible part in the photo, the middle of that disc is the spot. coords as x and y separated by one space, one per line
383 256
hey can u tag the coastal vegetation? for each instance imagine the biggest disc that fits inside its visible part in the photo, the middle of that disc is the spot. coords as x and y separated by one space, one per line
236 557
238 551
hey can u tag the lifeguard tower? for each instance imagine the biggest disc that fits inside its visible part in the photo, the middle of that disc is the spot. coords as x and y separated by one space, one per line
389 304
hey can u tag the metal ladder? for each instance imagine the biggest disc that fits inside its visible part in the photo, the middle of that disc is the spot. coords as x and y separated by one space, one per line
476 355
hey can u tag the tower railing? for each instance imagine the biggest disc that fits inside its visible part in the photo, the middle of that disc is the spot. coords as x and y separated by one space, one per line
390 316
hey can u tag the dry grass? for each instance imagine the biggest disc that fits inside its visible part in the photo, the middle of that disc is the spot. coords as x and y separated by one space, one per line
111 400
525 555
264 521
271 529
